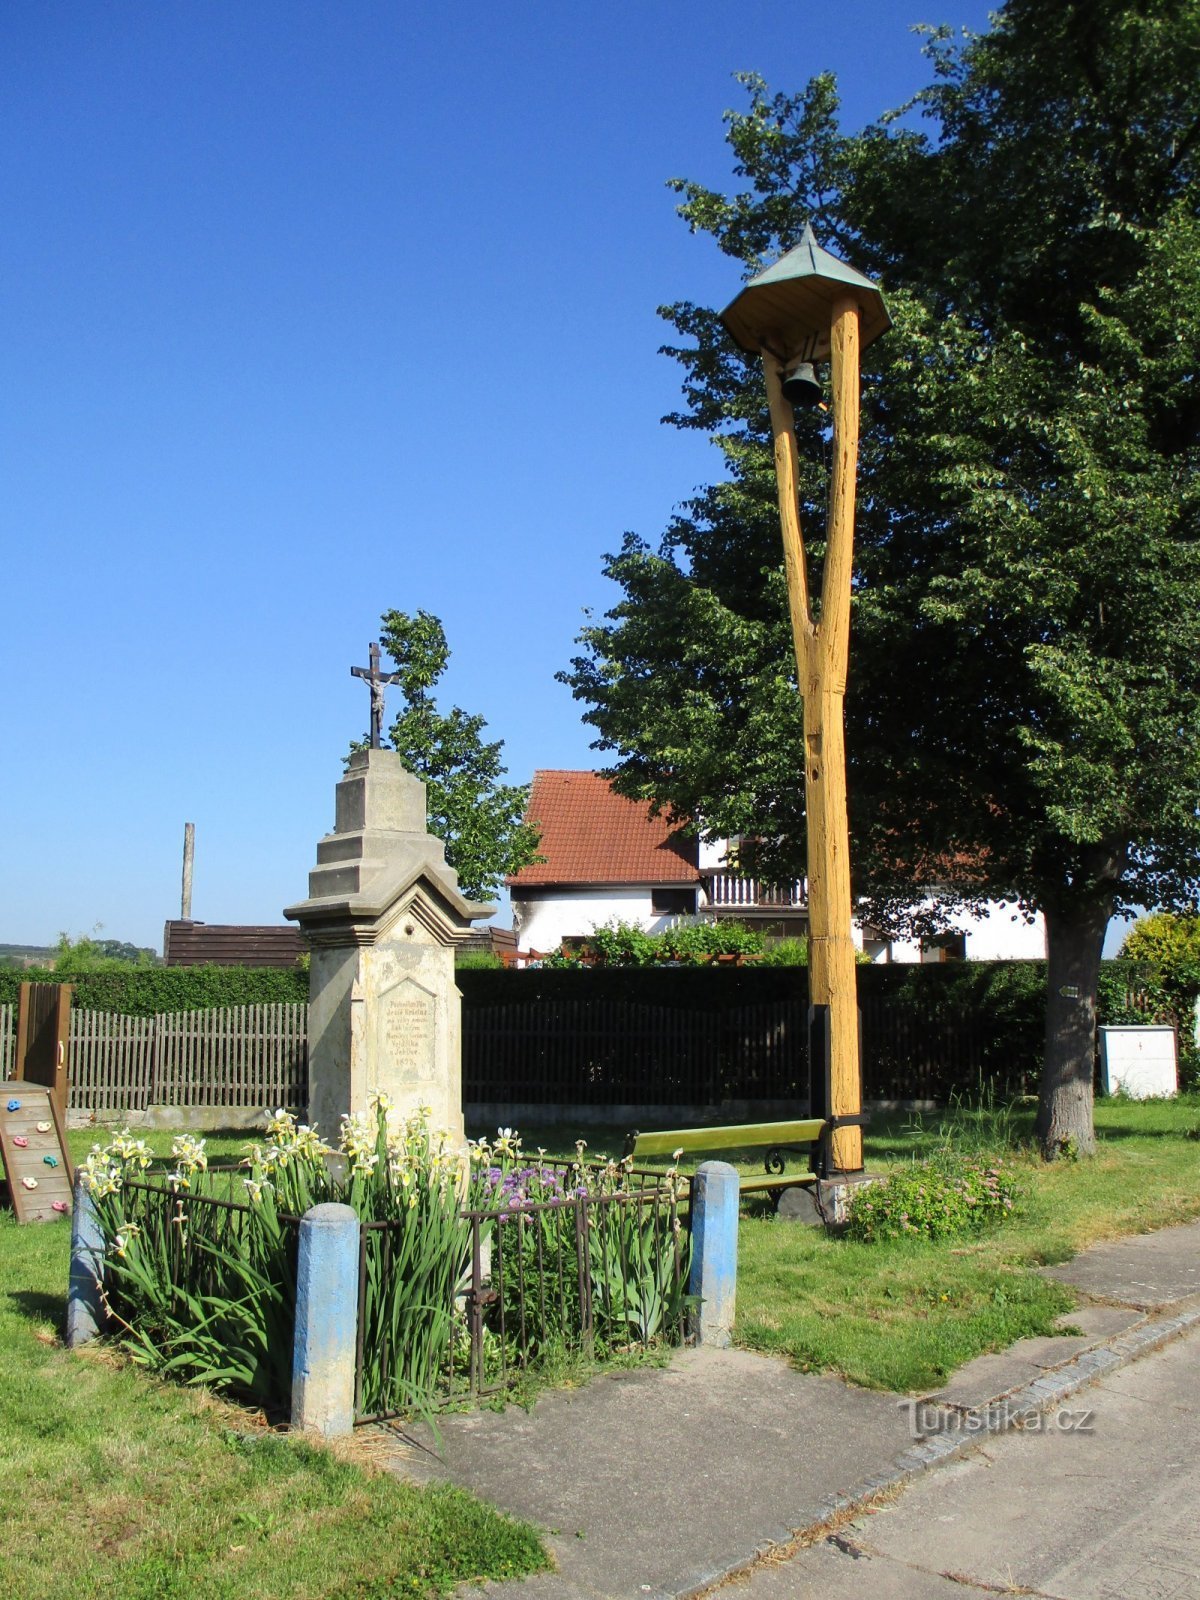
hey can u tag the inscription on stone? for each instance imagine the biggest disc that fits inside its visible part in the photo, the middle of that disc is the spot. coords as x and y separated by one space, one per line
407 1038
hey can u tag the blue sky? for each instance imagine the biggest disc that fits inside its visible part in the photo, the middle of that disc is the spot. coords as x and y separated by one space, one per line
314 310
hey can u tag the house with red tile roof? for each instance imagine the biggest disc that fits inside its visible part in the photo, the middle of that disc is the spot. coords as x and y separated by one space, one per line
608 859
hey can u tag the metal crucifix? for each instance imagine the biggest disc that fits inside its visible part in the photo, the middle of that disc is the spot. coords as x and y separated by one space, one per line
376 681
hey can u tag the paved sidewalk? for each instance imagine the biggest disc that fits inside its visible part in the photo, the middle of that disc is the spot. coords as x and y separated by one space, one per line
1150 1271
659 1483
1099 1506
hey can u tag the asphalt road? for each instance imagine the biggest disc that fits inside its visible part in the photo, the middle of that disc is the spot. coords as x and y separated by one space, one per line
1099 1505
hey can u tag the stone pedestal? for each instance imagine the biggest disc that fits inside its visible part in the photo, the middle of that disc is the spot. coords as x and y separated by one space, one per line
383 916
825 1203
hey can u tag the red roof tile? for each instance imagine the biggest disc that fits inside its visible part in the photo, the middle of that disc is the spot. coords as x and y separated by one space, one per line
592 835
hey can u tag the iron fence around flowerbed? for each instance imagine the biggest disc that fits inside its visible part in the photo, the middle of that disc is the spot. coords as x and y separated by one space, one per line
204 1286
589 1270
541 1261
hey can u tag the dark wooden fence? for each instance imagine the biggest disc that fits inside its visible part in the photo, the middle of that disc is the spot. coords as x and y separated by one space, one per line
598 1051
701 1036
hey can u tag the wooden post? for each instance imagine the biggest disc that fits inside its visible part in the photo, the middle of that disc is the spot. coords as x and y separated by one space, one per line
783 426
44 1038
822 661
846 1070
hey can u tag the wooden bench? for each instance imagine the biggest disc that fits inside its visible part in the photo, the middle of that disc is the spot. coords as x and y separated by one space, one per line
807 1137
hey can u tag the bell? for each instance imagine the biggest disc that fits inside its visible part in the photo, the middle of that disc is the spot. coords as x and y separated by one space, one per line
800 385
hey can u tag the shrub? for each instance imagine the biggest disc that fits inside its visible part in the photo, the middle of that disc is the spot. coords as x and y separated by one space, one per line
691 942
1157 979
1166 941
701 940
787 953
947 1197
477 961
87 954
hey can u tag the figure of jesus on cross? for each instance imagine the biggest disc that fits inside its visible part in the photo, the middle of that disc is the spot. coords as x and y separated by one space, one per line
376 681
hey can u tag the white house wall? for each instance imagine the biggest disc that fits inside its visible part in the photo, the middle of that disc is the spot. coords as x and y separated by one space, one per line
997 933
544 917
714 855
544 920
1002 934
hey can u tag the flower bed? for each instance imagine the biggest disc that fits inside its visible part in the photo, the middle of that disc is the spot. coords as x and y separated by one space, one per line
469 1271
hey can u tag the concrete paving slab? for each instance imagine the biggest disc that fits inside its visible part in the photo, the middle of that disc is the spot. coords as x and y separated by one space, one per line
1089 1510
1098 1323
989 1378
1151 1271
1050 1351
1100 1510
657 1481
837 1569
985 1379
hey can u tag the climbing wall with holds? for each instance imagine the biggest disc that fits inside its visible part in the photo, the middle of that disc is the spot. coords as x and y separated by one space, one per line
34 1150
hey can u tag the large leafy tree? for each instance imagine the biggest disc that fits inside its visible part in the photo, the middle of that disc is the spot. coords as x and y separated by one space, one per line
479 818
1024 708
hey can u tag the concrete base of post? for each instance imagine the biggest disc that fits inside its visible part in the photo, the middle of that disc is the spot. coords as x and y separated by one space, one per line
715 1193
825 1203
326 1321
85 1303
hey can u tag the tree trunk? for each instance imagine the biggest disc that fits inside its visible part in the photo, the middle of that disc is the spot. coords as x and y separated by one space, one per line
1074 941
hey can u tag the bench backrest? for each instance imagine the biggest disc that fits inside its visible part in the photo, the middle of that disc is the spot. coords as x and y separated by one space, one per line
734 1137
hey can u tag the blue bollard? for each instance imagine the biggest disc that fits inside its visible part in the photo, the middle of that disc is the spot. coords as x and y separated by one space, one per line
715 1190
85 1306
326 1321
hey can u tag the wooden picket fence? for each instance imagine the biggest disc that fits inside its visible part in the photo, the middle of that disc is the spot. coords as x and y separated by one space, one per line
111 1061
252 1056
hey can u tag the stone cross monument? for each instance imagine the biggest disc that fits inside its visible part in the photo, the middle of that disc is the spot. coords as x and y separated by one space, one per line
383 915
375 681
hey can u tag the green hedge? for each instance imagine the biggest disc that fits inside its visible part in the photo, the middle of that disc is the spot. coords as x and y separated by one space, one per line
145 991
1010 993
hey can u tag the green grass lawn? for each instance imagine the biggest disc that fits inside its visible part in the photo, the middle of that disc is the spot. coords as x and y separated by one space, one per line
904 1315
115 1483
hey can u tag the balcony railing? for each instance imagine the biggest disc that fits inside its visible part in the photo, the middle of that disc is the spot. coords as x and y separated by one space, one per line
748 894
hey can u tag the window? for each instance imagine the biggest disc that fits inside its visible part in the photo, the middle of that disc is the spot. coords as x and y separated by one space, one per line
944 947
673 902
